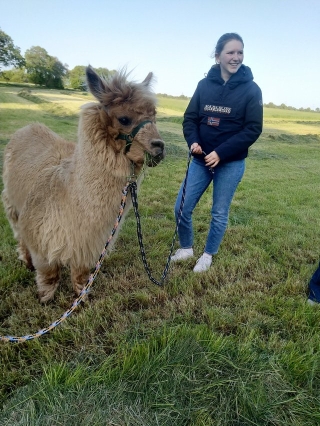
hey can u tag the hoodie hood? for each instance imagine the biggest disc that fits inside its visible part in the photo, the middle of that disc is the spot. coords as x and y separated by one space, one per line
243 75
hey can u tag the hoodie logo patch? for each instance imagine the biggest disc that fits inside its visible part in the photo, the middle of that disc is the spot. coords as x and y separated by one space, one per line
215 108
213 121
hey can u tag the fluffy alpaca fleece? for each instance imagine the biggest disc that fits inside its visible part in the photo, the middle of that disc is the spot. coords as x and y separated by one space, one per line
62 198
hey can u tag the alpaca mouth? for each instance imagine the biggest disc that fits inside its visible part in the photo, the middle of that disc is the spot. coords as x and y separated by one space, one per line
154 160
156 153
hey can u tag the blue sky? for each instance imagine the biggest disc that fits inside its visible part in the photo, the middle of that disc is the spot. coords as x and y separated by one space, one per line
175 38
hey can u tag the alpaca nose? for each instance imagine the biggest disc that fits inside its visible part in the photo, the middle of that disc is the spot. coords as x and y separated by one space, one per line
158 145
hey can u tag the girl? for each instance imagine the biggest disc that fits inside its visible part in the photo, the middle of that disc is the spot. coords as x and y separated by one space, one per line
224 117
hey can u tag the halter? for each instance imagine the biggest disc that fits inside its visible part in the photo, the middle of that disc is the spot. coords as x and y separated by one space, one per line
129 137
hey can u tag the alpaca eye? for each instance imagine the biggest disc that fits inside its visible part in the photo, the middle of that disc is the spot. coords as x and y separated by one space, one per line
125 121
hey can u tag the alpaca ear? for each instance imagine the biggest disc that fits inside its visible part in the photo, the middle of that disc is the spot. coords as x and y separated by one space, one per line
95 83
148 79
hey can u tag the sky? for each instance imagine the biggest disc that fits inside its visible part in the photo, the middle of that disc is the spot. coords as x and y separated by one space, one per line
175 39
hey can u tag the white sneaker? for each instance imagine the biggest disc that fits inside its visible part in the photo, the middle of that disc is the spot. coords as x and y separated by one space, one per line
203 263
312 302
182 254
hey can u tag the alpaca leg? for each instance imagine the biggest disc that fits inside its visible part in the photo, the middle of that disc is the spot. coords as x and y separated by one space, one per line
47 281
12 214
79 278
24 255
13 218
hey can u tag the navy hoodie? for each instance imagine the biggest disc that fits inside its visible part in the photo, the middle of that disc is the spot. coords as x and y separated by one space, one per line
225 117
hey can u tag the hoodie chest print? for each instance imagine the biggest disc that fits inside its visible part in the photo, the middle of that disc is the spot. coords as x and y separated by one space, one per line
216 108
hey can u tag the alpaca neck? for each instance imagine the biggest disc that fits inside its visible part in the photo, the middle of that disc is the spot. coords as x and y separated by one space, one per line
98 171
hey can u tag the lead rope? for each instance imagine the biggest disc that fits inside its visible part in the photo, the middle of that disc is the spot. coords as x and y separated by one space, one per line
132 185
133 191
86 288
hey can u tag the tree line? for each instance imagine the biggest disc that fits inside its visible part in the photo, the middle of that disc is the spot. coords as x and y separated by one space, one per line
38 67
283 106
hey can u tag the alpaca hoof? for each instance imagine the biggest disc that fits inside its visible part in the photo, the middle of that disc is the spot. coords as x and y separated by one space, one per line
79 279
46 295
78 289
44 298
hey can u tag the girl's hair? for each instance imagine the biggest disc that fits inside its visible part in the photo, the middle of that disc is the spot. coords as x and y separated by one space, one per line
223 40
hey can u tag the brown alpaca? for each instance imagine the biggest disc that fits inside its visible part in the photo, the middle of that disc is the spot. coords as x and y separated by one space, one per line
62 198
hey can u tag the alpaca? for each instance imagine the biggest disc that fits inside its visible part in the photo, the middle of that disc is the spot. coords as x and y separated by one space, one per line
61 198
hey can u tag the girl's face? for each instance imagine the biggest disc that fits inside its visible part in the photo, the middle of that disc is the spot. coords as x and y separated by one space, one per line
230 58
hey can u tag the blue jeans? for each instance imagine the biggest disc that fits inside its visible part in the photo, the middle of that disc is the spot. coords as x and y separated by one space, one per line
314 286
226 178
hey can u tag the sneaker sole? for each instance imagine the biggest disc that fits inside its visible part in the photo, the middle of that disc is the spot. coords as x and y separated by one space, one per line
181 260
312 302
202 270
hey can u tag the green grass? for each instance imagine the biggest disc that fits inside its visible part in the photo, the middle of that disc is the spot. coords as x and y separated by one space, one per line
235 346
167 105
179 376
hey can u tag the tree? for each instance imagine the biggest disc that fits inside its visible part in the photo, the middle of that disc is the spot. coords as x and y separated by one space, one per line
58 71
270 105
44 69
104 72
18 75
77 77
9 53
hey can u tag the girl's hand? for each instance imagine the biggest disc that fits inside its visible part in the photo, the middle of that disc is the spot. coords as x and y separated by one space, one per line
196 148
212 159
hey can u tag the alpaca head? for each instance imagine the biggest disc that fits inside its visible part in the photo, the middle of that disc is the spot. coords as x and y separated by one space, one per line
128 113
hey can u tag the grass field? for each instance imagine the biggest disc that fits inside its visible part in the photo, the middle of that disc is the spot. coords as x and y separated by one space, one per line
235 346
